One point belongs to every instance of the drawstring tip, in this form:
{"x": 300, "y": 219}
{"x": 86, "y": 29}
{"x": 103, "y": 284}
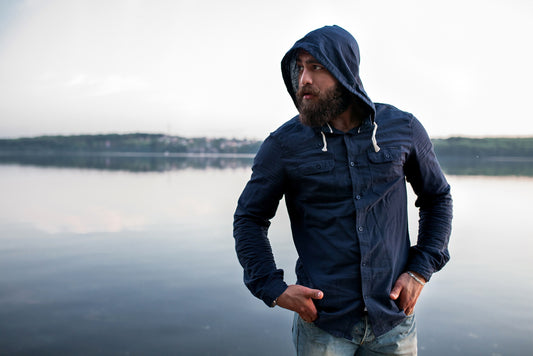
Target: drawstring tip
{"x": 325, "y": 148}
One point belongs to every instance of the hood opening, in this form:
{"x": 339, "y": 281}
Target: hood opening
{"x": 337, "y": 50}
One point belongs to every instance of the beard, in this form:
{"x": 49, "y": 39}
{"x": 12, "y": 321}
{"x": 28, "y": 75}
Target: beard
{"x": 327, "y": 105}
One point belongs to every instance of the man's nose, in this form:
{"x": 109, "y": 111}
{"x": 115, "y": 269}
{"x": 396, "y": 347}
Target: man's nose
{"x": 305, "y": 78}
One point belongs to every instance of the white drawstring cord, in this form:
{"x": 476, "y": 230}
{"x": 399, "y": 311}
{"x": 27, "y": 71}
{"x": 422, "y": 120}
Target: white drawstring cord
{"x": 374, "y": 141}
{"x": 325, "y": 148}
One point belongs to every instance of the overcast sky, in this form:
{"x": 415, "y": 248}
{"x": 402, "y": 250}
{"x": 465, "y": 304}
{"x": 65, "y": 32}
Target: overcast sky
{"x": 212, "y": 68}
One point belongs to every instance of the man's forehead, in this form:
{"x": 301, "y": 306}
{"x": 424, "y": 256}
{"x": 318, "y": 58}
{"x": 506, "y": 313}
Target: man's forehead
{"x": 304, "y": 56}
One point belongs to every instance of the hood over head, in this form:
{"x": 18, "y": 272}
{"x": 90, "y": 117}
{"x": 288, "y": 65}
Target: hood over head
{"x": 337, "y": 50}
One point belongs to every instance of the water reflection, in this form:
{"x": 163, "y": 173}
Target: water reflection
{"x": 103, "y": 261}
{"x": 138, "y": 162}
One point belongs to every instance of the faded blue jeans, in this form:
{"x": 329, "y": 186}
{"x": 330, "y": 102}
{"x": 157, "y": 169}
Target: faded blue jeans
{"x": 313, "y": 341}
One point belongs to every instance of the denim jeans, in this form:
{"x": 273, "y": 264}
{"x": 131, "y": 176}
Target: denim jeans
{"x": 311, "y": 340}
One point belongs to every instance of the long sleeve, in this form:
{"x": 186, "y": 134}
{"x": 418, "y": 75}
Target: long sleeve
{"x": 434, "y": 201}
{"x": 256, "y": 206}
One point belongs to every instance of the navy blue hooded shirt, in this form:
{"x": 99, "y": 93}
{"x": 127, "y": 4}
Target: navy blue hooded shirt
{"x": 347, "y": 201}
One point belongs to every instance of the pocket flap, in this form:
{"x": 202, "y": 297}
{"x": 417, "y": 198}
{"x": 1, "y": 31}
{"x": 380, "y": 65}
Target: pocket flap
{"x": 317, "y": 167}
{"x": 384, "y": 155}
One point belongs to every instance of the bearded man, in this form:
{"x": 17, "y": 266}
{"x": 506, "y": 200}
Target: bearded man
{"x": 344, "y": 182}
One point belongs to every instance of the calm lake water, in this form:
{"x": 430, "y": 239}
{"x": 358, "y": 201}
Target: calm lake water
{"x": 129, "y": 256}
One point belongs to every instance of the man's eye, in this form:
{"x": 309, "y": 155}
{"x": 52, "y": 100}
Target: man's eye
{"x": 317, "y": 67}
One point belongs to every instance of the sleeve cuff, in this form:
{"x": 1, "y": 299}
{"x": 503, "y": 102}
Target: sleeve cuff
{"x": 274, "y": 291}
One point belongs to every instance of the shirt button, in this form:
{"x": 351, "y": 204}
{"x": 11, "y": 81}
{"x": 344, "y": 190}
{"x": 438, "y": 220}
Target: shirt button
{"x": 352, "y": 164}
{"x": 360, "y": 228}
{"x": 357, "y": 197}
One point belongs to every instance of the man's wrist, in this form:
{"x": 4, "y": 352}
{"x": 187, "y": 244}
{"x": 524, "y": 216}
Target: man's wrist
{"x": 417, "y": 277}
{"x": 277, "y": 289}
{"x": 274, "y": 303}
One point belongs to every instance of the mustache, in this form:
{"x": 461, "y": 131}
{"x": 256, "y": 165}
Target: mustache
{"x": 307, "y": 89}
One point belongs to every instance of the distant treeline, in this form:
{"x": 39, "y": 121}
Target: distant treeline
{"x": 131, "y": 143}
{"x": 484, "y": 147}
{"x": 162, "y": 144}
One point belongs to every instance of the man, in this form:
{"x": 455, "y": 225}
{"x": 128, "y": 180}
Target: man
{"x": 342, "y": 164}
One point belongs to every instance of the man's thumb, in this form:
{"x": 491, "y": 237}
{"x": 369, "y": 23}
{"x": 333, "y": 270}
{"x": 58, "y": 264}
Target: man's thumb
{"x": 395, "y": 292}
{"x": 316, "y": 294}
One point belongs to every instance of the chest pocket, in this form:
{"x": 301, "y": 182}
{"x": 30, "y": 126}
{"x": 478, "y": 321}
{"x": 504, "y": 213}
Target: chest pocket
{"x": 314, "y": 181}
{"x": 316, "y": 167}
{"x": 385, "y": 165}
